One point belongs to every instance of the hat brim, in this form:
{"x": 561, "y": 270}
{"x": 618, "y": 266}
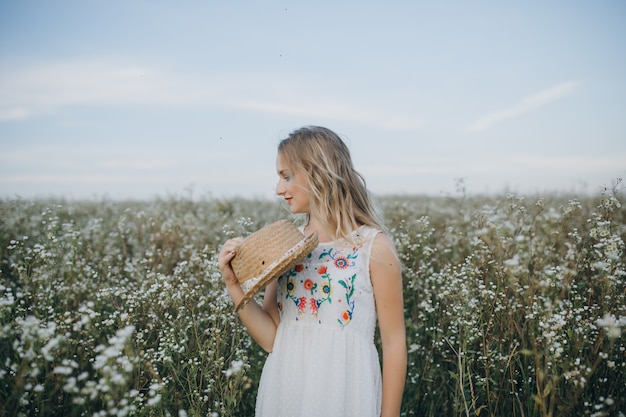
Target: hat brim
{"x": 277, "y": 268}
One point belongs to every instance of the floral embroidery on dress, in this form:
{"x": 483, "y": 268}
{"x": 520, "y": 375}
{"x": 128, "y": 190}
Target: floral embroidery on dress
{"x": 340, "y": 260}
{"x": 325, "y": 290}
{"x": 311, "y": 287}
{"x": 346, "y": 315}
{"x": 309, "y": 293}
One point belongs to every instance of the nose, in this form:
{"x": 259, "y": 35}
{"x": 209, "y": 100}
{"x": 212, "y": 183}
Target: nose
{"x": 280, "y": 189}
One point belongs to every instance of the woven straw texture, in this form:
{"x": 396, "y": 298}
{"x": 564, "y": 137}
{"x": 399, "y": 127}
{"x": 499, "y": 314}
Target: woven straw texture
{"x": 269, "y": 253}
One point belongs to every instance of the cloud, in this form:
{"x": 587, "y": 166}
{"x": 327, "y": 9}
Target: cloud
{"x": 336, "y": 110}
{"x": 614, "y": 163}
{"x": 15, "y": 113}
{"x": 43, "y": 88}
{"x": 502, "y": 163}
{"x": 529, "y": 103}
{"x": 72, "y": 179}
{"x": 138, "y": 164}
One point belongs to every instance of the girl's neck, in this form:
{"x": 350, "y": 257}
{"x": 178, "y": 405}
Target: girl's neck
{"x": 323, "y": 234}
{"x": 314, "y": 226}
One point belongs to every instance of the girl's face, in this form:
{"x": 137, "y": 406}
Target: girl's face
{"x": 292, "y": 187}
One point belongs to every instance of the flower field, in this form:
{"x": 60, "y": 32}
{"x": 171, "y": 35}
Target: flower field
{"x": 514, "y": 306}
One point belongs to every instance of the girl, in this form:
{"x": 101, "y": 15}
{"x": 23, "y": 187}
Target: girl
{"x": 318, "y": 320}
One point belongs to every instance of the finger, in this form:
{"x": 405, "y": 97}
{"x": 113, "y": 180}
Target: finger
{"x": 226, "y": 256}
{"x": 227, "y": 248}
{"x": 232, "y": 243}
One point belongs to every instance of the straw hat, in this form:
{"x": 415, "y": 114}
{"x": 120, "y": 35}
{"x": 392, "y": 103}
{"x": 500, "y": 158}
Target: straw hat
{"x": 267, "y": 254}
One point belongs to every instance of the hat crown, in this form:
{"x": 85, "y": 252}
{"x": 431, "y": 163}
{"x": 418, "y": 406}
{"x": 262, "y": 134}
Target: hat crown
{"x": 259, "y": 250}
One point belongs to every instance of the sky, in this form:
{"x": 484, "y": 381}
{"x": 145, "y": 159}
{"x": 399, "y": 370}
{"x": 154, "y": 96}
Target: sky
{"x": 139, "y": 99}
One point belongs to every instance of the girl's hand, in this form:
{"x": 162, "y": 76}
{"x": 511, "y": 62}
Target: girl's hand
{"x": 226, "y": 255}
{"x": 260, "y": 323}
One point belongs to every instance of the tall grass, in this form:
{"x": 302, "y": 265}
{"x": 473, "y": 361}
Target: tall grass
{"x": 514, "y": 306}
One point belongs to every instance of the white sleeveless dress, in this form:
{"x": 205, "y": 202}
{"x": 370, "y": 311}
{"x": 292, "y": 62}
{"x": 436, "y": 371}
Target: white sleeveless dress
{"x": 324, "y": 361}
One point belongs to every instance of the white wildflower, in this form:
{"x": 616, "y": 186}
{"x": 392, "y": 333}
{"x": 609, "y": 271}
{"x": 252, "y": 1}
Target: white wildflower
{"x": 154, "y": 400}
{"x": 611, "y": 325}
{"x": 63, "y": 370}
{"x": 49, "y": 347}
{"x": 235, "y": 368}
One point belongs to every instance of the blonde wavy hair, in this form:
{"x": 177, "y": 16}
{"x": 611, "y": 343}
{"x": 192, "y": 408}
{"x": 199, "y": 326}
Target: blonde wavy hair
{"x": 337, "y": 192}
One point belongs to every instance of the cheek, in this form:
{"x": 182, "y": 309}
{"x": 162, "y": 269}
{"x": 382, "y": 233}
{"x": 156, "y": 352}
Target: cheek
{"x": 300, "y": 183}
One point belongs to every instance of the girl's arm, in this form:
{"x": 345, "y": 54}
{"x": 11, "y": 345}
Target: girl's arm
{"x": 386, "y": 278}
{"x": 261, "y": 322}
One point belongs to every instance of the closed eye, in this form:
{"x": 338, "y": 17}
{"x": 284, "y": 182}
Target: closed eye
{"x": 285, "y": 175}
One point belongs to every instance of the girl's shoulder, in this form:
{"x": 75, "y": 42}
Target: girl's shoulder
{"x": 366, "y": 233}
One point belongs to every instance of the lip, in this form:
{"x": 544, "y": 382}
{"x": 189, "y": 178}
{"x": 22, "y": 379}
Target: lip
{"x": 288, "y": 200}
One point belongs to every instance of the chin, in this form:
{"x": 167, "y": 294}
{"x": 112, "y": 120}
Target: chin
{"x": 296, "y": 210}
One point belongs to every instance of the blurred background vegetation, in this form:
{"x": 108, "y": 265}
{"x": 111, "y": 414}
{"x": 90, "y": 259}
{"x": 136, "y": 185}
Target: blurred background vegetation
{"x": 515, "y": 306}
